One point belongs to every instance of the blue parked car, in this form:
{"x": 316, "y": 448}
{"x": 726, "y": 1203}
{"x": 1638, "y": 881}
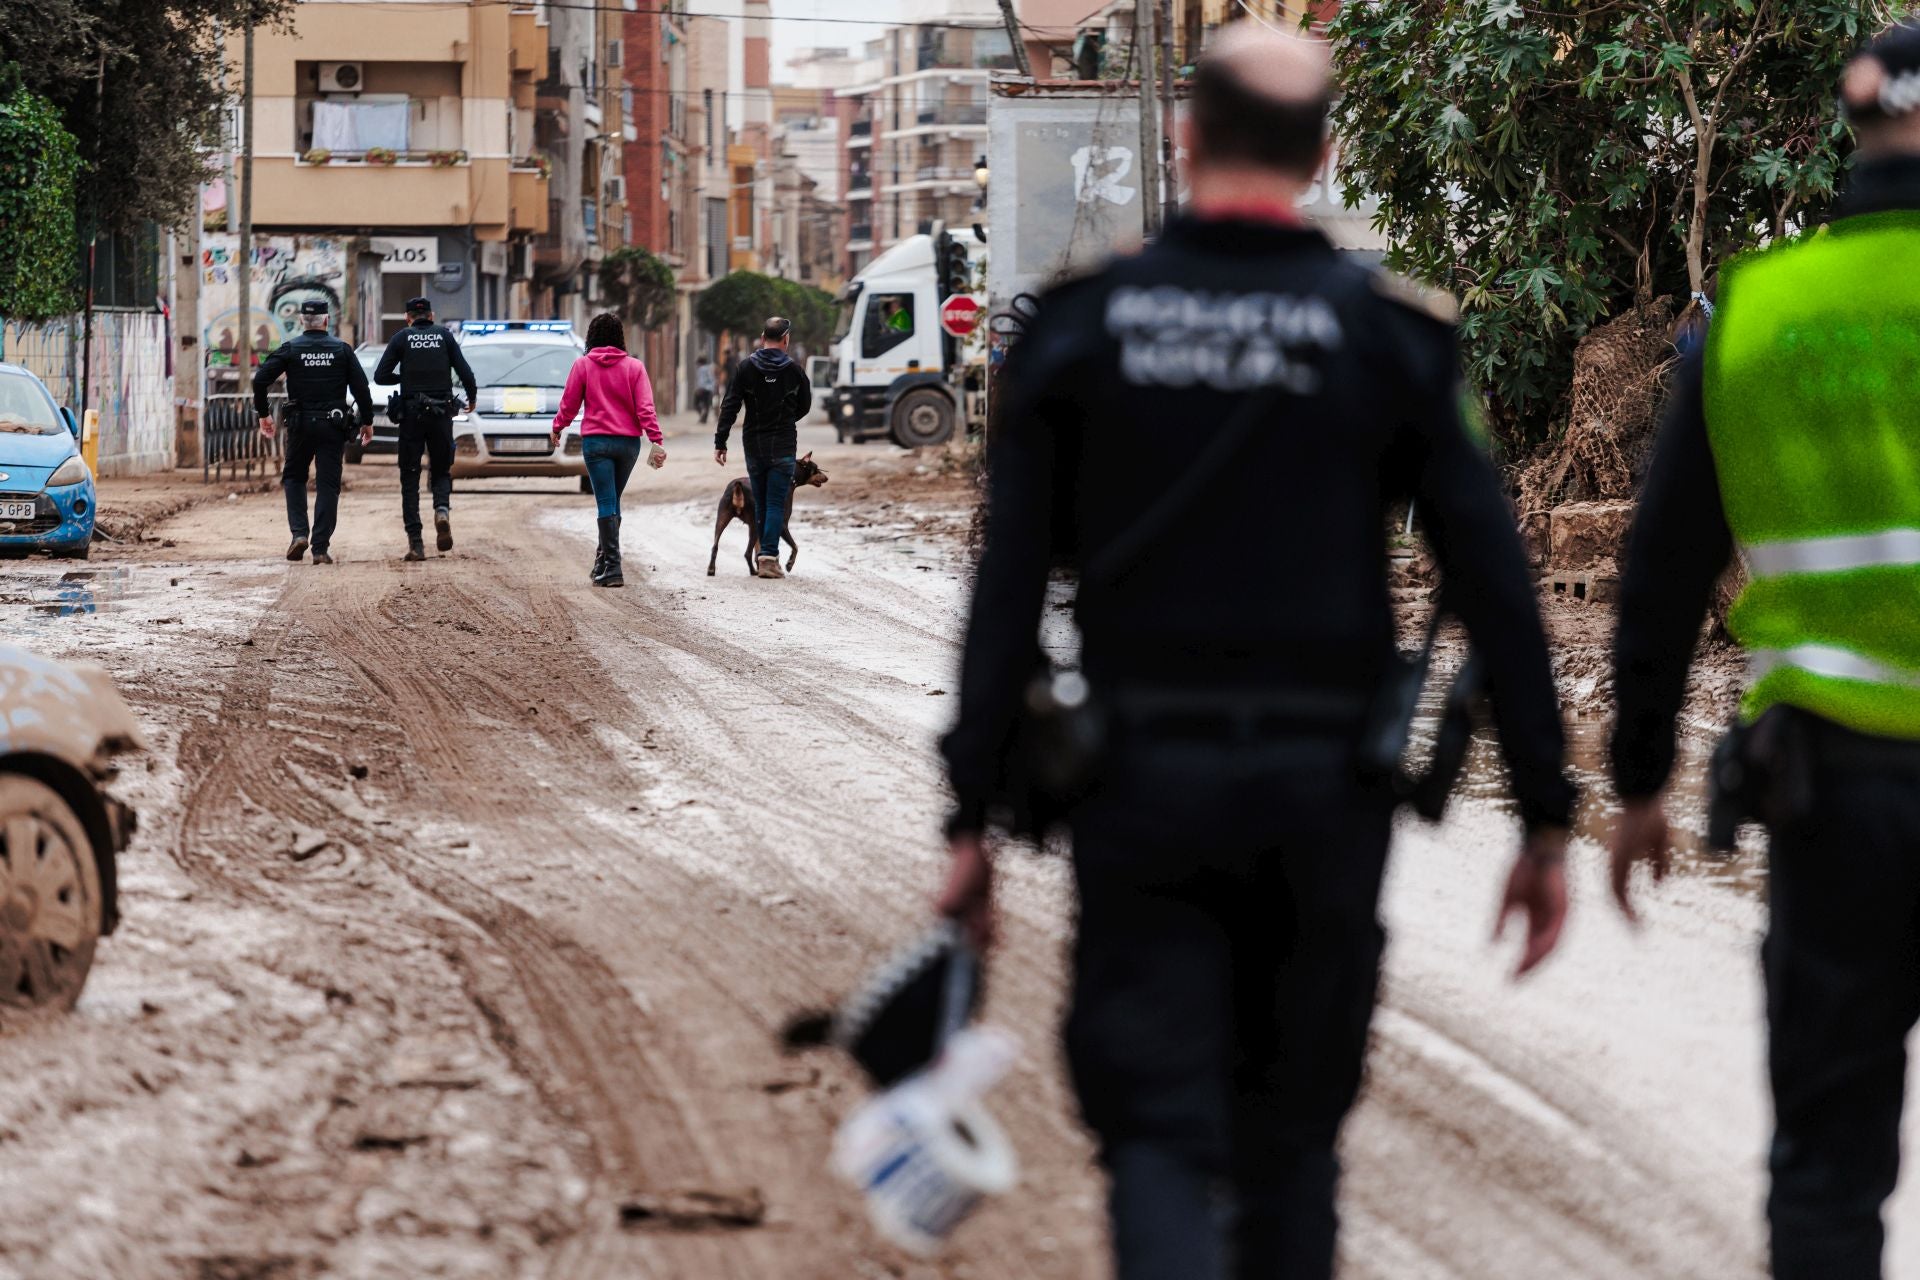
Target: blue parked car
{"x": 46, "y": 492}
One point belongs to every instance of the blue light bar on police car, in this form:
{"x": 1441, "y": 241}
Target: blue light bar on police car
{"x": 529, "y": 326}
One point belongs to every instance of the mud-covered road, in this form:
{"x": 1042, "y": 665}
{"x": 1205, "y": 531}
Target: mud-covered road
{"x": 469, "y": 899}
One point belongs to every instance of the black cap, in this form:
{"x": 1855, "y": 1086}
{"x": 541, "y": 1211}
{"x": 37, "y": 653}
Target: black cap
{"x": 1897, "y": 49}
{"x": 416, "y": 305}
{"x": 314, "y": 307}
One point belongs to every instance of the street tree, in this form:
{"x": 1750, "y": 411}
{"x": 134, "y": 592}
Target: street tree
{"x": 638, "y": 286}
{"x": 39, "y": 243}
{"x": 737, "y": 303}
{"x": 1558, "y": 164}
{"x": 138, "y": 83}
{"x": 810, "y": 308}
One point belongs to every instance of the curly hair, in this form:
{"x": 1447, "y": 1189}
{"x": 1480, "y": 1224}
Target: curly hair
{"x": 605, "y": 330}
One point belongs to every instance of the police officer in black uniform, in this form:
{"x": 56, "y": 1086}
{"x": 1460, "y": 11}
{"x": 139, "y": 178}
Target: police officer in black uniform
{"x": 1229, "y": 858}
{"x": 320, "y": 370}
{"x": 423, "y": 358}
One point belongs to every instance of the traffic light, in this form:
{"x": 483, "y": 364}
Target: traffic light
{"x": 951, "y": 266}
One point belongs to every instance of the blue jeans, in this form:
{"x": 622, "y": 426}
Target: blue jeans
{"x": 610, "y": 460}
{"x": 772, "y": 480}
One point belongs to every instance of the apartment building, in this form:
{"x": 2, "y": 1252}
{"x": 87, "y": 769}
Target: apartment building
{"x": 578, "y": 139}
{"x": 394, "y": 155}
{"x": 916, "y": 135}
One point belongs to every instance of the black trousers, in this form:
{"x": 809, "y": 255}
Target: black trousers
{"x": 317, "y": 443}
{"x": 427, "y": 428}
{"x": 1226, "y": 963}
{"x": 1842, "y": 962}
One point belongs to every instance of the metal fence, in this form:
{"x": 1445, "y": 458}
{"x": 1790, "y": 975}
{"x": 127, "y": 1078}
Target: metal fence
{"x": 231, "y": 440}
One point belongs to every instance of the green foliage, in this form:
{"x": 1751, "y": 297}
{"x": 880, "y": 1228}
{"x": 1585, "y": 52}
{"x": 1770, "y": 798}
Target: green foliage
{"x": 811, "y": 310}
{"x": 737, "y": 303}
{"x": 138, "y": 85}
{"x": 638, "y": 286}
{"x": 39, "y": 239}
{"x": 1551, "y": 164}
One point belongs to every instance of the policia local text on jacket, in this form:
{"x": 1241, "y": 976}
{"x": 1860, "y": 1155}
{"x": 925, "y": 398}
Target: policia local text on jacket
{"x": 321, "y": 371}
{"x": 423, "y": 358}
{"x": 1796, "y": 433}
{"x": 1229, "y": 863}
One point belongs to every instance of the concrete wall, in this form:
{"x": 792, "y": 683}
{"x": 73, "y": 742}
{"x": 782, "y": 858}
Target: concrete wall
{"x": 130, "y": 381}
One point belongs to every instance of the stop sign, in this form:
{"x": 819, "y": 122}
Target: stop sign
{"x": 959, "y": 315}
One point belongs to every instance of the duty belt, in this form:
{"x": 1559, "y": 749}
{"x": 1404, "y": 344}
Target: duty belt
{"x": 1234, "y": 715}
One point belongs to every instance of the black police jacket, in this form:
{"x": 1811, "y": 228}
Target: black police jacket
{"x": 776, "y": 394}
{"x": 321, "y": 371}
{"x": 1681, "y": 544}
{"x": 1275, "y": 579}
{"x": 423, "y": 358}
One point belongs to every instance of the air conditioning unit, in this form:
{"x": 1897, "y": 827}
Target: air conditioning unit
{"x": 342, "y": 77}
{"x": 616, "y": 190}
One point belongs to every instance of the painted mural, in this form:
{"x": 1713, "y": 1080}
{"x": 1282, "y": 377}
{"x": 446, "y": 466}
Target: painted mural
{"x": 286, "y": 271}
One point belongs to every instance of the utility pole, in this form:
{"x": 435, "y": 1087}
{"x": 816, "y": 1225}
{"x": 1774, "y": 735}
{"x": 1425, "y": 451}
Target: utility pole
{"x": 1169, "y": 181}
{"x": 1152, "y": 175}
{"x": 243, "y": 269}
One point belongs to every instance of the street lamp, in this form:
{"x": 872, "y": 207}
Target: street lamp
{"x": 980, "y": 174}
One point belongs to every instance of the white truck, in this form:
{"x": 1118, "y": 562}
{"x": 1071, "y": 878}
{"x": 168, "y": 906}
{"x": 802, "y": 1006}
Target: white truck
{"x": 896, "y": 370}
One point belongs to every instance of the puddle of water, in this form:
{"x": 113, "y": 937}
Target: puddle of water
{"x": 78, "y": 593}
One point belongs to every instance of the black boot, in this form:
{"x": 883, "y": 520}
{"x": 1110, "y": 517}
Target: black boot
{"x": 610, "y": 575}
{"x": 416, "y": 550}
{"x": 600, "y": 552}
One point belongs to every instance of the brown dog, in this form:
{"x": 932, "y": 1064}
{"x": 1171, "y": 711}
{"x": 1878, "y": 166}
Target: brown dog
{"x": 737, "y": 504}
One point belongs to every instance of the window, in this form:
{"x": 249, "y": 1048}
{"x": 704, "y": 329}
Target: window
{"x": 614, "y": 52}
{"x": 889, "y": 323}
{"x": 706, "y": 96}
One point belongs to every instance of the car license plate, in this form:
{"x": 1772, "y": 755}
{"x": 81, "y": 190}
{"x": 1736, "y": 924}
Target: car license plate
{"x": 16, "y": 510}
{"x": 520, "y": 400}
{"x": 522, "y": 444}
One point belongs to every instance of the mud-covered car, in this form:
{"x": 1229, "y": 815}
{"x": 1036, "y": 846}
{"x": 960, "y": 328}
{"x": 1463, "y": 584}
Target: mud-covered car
{"x": 61, "y": 728}
{"x": 46, "y": 490}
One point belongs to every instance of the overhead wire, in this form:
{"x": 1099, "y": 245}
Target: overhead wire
{"x": 617, "y": 6}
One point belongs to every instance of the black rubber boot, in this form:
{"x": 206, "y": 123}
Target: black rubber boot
{"x": 600, "y": 552}
{"x": 416, "y": 549}
{"x": 610, "y": 575}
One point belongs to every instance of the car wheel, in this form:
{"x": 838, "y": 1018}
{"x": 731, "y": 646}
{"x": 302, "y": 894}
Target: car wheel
{"x": 923, "y": 417}
{"x": 353, "y": 453}
{"x": 586, "y": 484}
{"x": 49, "y": 898}
{"x": 81, "y": 552}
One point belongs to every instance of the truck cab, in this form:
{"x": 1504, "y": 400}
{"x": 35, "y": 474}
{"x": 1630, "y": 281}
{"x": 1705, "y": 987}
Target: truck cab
{"x": 896, "y": 371}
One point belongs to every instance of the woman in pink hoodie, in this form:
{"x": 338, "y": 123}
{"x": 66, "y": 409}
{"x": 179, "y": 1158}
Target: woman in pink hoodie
{"x": 619, "y": 401}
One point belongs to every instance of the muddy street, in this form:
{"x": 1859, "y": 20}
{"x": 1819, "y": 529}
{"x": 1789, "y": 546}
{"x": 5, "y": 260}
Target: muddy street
{"x": 469, "y": 899}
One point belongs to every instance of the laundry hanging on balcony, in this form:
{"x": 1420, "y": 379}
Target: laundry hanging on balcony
{"x": 350, "y": 128}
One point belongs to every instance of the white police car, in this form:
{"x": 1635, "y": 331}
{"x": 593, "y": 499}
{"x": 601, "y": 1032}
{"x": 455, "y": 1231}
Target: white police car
{"x": 520, "y": 368}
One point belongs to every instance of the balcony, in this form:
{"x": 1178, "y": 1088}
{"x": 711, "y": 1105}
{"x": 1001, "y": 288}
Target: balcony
{"x": 528, "y": 42}
{"x": 860, "y": 186}
{"x": 859, "y": 236}
{"x": 969, "y": 116}
{"x": 860, "y": 129}
{"x": 527, "y": 198}
{"x": 287, "y": 191}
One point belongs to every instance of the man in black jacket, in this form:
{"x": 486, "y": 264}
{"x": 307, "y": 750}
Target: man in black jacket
{"x": 1229, "y": 861}
{"x": 320, "y": 370}
{"x": 1841, "y": 959}
{"x": 423, "y": 358}
{"x": 776, "y": 394}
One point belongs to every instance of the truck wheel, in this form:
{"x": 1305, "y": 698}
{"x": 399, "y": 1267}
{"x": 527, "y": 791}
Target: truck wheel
{"x": 922, "y": 417}
{"x": 49, "y": 898}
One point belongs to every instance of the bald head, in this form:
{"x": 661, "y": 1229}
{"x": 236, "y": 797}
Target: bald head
{"x": 1260, "y": 101}
{"x": 1273, "y": 65}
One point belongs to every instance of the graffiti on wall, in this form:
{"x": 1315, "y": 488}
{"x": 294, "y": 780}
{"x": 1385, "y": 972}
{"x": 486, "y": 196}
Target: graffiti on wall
{"x": 286, "y": 271}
